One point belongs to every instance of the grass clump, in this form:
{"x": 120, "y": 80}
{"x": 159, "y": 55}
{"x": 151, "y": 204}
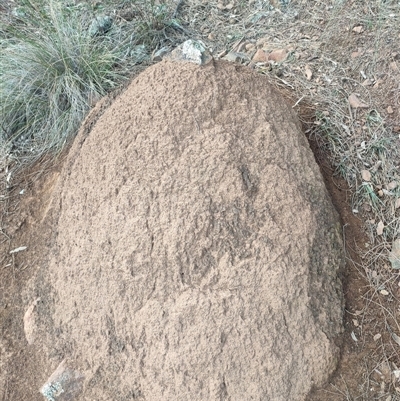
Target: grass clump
{"x": 57, "y": 59}
{"x": 51, "y": 70}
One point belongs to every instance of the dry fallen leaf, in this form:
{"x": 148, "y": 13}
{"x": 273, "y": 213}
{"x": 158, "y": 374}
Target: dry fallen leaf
{"x": 367, "y": 82}
{"x": 278, "y": 55}
{"x": 397, "y": 203}
{"x": 380, "y": 227}
{"x": 308, "y": 73}
{"x": 394, "y": 255}
{"x": 392, "y": 185}
{"x": 396, "y": 338}
{"x": 356, "y": 103}
{"x": 366, "y": 175}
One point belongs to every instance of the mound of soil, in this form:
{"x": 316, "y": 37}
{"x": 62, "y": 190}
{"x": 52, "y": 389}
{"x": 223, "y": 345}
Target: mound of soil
{"x": 195, "y": 251}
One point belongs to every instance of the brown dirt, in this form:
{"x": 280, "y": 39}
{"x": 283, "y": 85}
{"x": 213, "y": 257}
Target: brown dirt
{"x": 19, "y": 364}
{"x": 350, "y": 374}
{"x": 99, "y": 218}
{"x": 27, "y": 214}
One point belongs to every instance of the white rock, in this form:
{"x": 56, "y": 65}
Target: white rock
{"x": 64, "y": 384}
{"x": 191, "y": 51}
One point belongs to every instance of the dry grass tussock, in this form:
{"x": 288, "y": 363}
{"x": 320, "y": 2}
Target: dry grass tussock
{"x": 343, "y": 71}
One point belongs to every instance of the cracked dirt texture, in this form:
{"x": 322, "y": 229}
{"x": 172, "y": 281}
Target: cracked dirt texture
{"x": 194, "y": 252}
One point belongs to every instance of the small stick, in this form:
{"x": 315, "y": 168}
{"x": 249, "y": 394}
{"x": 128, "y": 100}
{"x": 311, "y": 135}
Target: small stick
{"x": 297, "y": 102}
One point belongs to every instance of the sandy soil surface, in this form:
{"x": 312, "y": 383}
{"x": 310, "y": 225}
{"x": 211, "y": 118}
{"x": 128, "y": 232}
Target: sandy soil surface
{"x": 19, "y": 276}
{"x": 127, "y": 232}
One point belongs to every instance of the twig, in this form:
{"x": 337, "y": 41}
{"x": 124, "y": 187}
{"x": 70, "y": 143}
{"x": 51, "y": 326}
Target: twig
{"x": 297, "y": 102}
{"x": 285, "y": 82}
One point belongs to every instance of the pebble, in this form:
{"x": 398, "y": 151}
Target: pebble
{"x": 278, "y": 55}
{"x": 30, "y": 322}
{"x": 260, "y": 57}
{"x": 64, "y": 384}
{"x": 366, "y": 175}
{"x": 236, "y": 57}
